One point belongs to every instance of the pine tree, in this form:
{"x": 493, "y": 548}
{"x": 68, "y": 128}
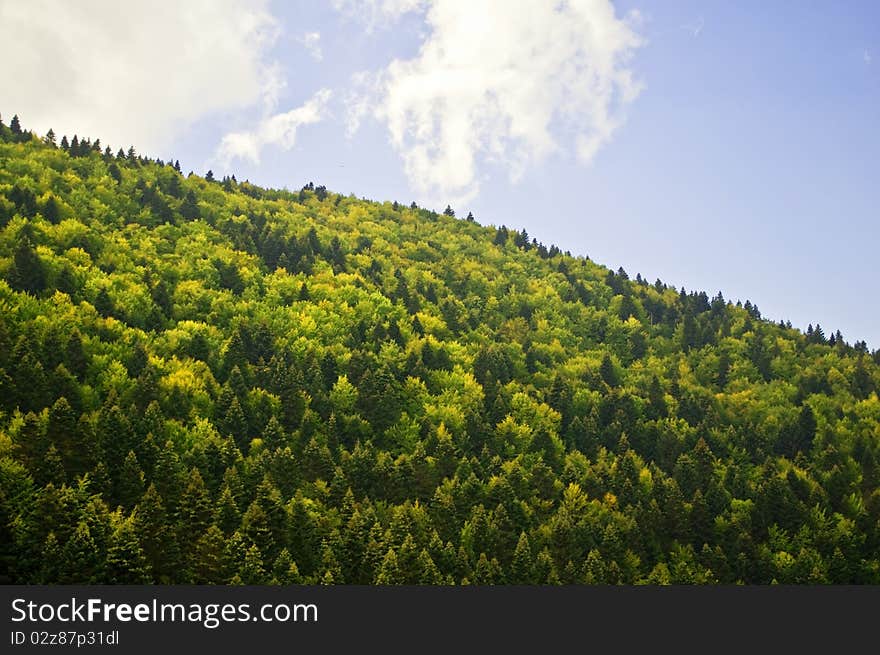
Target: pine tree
{"x": 126, "y": 562}
{"x": 50, "y": 468}
{"x": 806, "y": 429}
{"x": 196, "y": 512}
{"x": 522, "y": 567}
{"x": 73, "y": 438}
{"x": 227, "y": 515}
{"x": 487, "y": 572}
{"x": 114, "y": 172}
{"x": 428, "y": 573}
{"x": 26, "y": 273}
{"x": 252, "y": 571}
{"x": 152, "y": 529}
{"x": 79, "y": 563}
{"x": 130, "y": 487}
{"x": 389, "y": 571}
{"x": 104, "y": 304}
{"x": 285, "y": 570}
{"x": 609, "y": 372}
{"x": 209, "y": 563}
{"x": 235, "y": 423}
{"x": 190, "y": 208}
{"x": 255, "y": 528}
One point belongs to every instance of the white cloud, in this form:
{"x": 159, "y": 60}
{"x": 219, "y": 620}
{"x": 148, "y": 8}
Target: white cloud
{"x": 138, "y": 73}
{"x": 506, "y": 83}
{"x": 377, "y": 13}
{"x": 695, "y": 28}
{"x": 272, "y": 86}
{"x": 311, "y": 41}
{"x": 360, "y": 99}
{"x": 866, "y": 56}
{"x": 277, "y": 129}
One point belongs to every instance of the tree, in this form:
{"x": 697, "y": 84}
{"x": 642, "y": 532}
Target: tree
{"x": 255, "y": 528}
{"x": 104, "y": 304}
{"x": 609, "y": 372}
{"x": 285, "y": 570}
{"x": 195, "y": 507}
{"x": 806, "y": 429}
{"x": 79, "y": 562}
{"x": 27, "y": 273}
{"x": 389, "y": 572}
{"x": 522, "y": 568}
{"x": 227, "y": 515}
{"x": 73, "y": 438}
{"x": 130, "y": 487}
{"x": 126, "y": 562}
{"x": 252, "y": 571}
{"x": 209, "y": 563}
{"x": 113, "y": 171}
{"x": 235, "y": 423}
{"x": 190, "y": 207}
{"x": 689, "y": 332}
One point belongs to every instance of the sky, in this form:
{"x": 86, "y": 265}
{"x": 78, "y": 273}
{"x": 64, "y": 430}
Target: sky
{"x": 718, "y": 146}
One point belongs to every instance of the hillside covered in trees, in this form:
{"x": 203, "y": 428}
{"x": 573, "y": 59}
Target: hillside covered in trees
{"x": 206, "y": 381}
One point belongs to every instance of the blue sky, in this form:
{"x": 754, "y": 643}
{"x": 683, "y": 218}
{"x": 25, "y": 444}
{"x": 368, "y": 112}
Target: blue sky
{"x": 719, "y": 146}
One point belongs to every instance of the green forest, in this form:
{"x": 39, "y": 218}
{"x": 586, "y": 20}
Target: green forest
{"x": 205, "y": 381}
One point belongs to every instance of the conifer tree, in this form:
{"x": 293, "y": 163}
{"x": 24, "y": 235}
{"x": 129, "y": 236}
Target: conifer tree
{"x": 126, "y": 562}
{"x": 27, "y": 273}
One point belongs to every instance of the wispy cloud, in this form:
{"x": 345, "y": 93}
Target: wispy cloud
{"x": 374, "y": 14}
{"x": 695, "y": 28}
{"x": 277, "y": 130}
{"x": 360, "y": 99}
{"x": 866, "y": 56}
{"x": 505, "y": 84}
{"x": 311, "y": 41}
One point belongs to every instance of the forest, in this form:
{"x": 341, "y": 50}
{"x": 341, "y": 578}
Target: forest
{"x": 205, "y": 381}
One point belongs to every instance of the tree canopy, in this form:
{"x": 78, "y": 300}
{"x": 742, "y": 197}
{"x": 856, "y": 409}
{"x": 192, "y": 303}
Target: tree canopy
{"x": 203, "y": 380}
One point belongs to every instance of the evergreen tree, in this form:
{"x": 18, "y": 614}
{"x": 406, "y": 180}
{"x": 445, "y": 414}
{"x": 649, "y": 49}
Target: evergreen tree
{"x": 227, "y": 516}
{"x": 609, "y": 372}
{"x": 131, "y": 481}
{"x": 522, "y": 567}
{"x": 126, "y": 562}
{"x": 79, "y": 561}
{"x": 209, "y": 563}
{"x": 252, "y": 571}
{"x": 190, "y": 208}
{"x": 26, "y": 273}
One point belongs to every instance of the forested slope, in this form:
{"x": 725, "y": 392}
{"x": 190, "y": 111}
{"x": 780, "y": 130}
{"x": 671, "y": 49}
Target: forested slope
{"x": 207, "y": 381}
